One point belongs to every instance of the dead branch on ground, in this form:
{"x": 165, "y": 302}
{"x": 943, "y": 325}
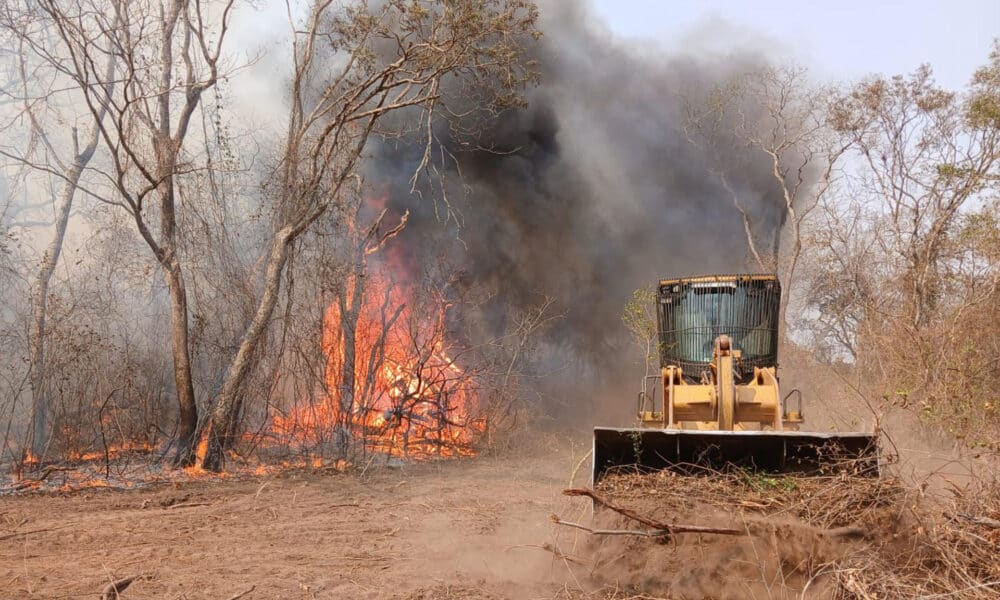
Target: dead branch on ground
{"x": 659, "y": 532}
{"x": 113, "y": 590}
{"x": 36, "y": 482}
{"x": 622, "y": 511}
{"x": 242, "y": 594}
{"x": 978, "y": 520}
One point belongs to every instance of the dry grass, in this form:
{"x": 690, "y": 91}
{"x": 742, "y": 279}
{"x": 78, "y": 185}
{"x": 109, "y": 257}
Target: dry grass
{"x": 952, "y": 551}
{"x": 825, "y": 502}
{"x": 904, "y": 544}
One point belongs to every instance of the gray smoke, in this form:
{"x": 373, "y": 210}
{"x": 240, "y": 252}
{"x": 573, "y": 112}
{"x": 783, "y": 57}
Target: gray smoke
{"x": 595, "y": 191}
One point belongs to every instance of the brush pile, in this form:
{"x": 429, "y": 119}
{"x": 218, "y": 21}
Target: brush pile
{"x": 837, "y": 536}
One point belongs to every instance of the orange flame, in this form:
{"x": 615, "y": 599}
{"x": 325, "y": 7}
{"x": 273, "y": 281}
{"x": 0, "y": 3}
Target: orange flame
{"x": 111, "y": 452}
{"x": 408, "y": 397}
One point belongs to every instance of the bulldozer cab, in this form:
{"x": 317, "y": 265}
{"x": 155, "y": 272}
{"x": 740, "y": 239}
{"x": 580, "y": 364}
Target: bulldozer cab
{"x": 692, "y": 313}
{"x": 718, "y": 401}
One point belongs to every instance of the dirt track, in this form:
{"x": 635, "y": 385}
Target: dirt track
{"x": 466, "y": 529}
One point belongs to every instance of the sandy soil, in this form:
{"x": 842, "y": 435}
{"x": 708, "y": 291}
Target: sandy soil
{"x": 460, "y": 529}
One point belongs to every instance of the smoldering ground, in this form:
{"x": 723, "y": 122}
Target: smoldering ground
{"x": 592, "y": 191}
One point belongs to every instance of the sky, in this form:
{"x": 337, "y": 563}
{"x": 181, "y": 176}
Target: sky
{"x": 841, "y": 40}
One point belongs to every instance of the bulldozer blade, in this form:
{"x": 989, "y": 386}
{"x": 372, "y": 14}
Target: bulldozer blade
{"x": 768, "y": 451}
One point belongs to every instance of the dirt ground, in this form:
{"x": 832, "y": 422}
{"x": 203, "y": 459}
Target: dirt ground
{"x": 460, "y": 529}
{"x": 471, "y": 528}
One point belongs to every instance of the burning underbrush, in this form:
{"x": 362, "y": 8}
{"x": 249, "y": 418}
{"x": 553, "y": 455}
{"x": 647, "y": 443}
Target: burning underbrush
{"x": 392, "y": 388}
{"x": 746, "y": 535}
{"x": 136, "y": 469}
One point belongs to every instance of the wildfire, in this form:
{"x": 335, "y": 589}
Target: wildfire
{"x": 111, "y": 452}
{"x": 391, "y": 385}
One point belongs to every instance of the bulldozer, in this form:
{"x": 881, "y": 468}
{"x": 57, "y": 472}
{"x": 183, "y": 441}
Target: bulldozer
{"x": 717, "y": 401}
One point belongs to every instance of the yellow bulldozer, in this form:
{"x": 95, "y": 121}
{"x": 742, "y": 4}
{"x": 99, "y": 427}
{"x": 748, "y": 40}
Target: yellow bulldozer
{"x": 717, "y": 400}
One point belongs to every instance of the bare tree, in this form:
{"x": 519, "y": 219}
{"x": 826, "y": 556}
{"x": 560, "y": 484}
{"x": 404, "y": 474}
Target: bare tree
{"x": 513, "y": 352}
{"x": 40, "y": 291}
{"x": 38, "y": 72}
{"x": 779, "y": 116}
{"x": 71, "y": 173}
{"x": 352, "y": 296}
{"x": 392, "y": 58}
{"x": 844, "y": 279}
{"x": 168, "y": 54}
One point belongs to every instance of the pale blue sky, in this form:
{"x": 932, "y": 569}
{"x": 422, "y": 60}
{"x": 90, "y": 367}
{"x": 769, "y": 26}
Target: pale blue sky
{"x": 841, "y": 40}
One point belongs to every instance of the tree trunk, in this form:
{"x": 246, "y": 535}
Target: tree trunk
{"x": 217, "y": 436}
{"x": 166, "y": 255}
{"x": 187, "y": 418}
{"x": 349, "y": 314}
{"x": 348, "y": 325}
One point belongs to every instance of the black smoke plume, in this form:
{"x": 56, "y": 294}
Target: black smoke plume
{"x": 591, "y": 192}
